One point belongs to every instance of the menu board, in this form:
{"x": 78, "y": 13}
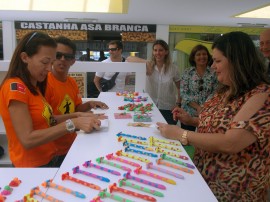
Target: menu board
{"x": 80, "y": 79}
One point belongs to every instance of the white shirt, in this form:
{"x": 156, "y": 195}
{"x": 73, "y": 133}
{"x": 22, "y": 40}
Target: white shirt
{"x": 119, "y": 81}
{"x": 161, "y": 87}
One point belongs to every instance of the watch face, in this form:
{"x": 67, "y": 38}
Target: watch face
{"x": 70, "y": 126}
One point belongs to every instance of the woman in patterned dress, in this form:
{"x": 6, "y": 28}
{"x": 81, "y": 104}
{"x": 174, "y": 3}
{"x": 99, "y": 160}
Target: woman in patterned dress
{"x": 197, "y": 83}
{"x": 232, "y": 140}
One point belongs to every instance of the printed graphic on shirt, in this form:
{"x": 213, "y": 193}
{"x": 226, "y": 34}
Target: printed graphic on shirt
{"x": 67, "y": 105}
{"x": 48, "y": 114}
{"x": 15, "y": 86}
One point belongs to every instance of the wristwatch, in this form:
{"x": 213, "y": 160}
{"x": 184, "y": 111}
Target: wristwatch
{"x": 184, "y": 139}
{"x": 70, "y": 126}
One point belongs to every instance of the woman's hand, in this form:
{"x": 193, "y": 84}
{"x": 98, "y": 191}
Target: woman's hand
{"x": 169, "y": 131}
{"x": 198, "y": 109}
{"x": 87, "y": 124}
{"x": 91, "y": 114}
{"x": 97, "y": 104}
{"x": 182, "y": 116}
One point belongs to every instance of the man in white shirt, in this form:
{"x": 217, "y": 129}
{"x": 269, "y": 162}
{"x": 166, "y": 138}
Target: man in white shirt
{"x": 115, "y": 49}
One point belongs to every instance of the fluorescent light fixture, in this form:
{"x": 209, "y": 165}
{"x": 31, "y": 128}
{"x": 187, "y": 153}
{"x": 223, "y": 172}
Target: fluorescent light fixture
{"x": 99, "y": 6}
{"x": 263, "y": 12}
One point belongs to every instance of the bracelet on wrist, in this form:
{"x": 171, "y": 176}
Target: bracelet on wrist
{"x": 184, "y": 138}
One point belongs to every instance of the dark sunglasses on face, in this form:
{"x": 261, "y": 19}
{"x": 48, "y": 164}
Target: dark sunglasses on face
{"x": 112, "y": 49}
{"x": 200, "y": 84}
{"x": 67, "y": 56}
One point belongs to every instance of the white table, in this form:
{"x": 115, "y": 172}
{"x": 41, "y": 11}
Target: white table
{"x": 30, "y": 178}
{"x": 100, "y": 143}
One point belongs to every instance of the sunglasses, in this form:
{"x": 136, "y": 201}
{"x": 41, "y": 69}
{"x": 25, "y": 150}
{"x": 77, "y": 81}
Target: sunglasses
{"x": 200, "y": 84}
{"x": 67, "y": 56}
{"x": 112, "y": 49}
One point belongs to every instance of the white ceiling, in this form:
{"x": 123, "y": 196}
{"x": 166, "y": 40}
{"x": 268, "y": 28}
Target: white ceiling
{"x": 163, "y": 12}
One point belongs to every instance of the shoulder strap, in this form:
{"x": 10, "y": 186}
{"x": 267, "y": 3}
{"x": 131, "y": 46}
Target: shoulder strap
{"x": 114, "y": 76}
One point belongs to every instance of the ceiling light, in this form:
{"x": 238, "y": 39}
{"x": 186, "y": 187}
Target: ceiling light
{"x": 86, "y": 20}
{"x": 263, "y": 12}
{"x": 103, "y": 6}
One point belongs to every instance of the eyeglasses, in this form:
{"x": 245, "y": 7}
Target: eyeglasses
{"x": 112, "y": 49}
{"x": 200, "y": 84}
{"x": 67, "y": 56}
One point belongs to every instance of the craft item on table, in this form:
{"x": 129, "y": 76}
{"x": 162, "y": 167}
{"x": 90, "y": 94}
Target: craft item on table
{"x": 122, "y": 139}
{"x": 142, "y": 118}
{"x": 156, "y": 144}
{"x": 125, "y": 182}
{"x": 157, "y": 168}
{"x": 112, "y": 157}
{"x": 102, "y": 160}
{"x": 78, "y": 170}
{"x": 38, "y": 192}
{"x": 2, "y": 198}
{"x": 113, "y": 187}
{"x": 7, "y": 190}
{"x": 15, "y": 182}
{"x": 129, "y": 99}
{"x": 127, "y": 93}
{"x": 139, "y": 124}
{"x": 126, "y": 143}
{"x": 153, "y": 175}
{"x": 131, "y": 136}
{"x": 50, "y": 184}
{"x": 175, "y": 143}
{"x": 143, "y": 181}
{"x": 160, "y": 150}
{"x": 165, "y": 157}
{"x": 127, "y": 149}
{"x": 121, "y": 153}
{"x": 135, "y": 99}
{"x": 137, "y": 107}
{"x": 96, "y": 199}
{"x": 140, "y": 99}
{"x": 160, "y": 161}
{"x": 105, "y": 194}
{"x": 130, "y": 106}
{"x": 89, "y": 164}
{"x": 28, "y": 198}
{"x": 66, "y": 176}
{"x": 122, "y": 115}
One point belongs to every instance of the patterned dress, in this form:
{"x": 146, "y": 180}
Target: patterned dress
{"x": 243, "y": 176}
{"x": 194, "y": 88}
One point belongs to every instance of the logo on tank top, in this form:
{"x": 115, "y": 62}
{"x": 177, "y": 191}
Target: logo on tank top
{"x": 48, "y": 114}
{"x": 67, "y": 105}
